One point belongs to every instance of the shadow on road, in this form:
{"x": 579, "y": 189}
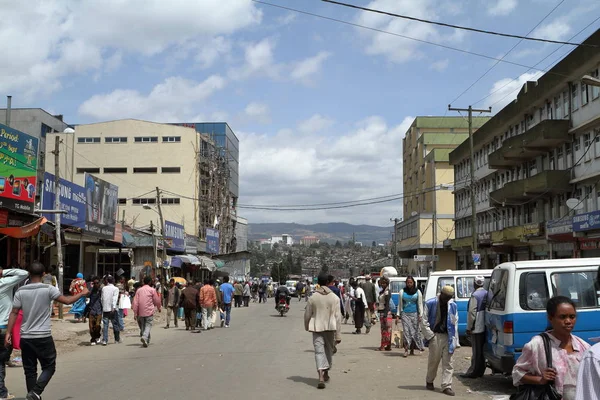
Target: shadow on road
{"x": 413, "y": 387}
{"x": 302, "y": 379}
{"x": 496, "y": 384}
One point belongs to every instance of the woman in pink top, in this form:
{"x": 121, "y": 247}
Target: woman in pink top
{"x": 567, "y": 351}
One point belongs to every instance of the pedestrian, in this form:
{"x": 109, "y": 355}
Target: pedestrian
{"x": 371, "y": 294}
{"x": 144, "y": 302}
{"x": 254, "y": 289}
{"x": 360, "y": 309}
{"x": 383, "y": 309}
{"x": 307, "y": 291}
{"x": 93, "y": 311}
{"x": 333, "y": 286}
{"x": 262, "y": 292}
{"x": 246, "y": 294}
{"x": 50, "y": 279}
{"x": 269, "y": 289}
{"x": 410, "y": 311}
{"x": 189, "y": 301}
{"x": 348, "y": 302}
{"x": 238, "y": 293}
{"x": 588, "y": 378}
{"x": 110, "y": 297}
{"x": 130, "y": 288}
{"x": 567, "y": 351}
{"x": 323, "y": 318}
{"x": 172, "y": 303}
{"x": 208, "y": 302}
{"x": 227, "y": 290}
{"x": 219, "y": 308}
{"x": 76, "y": 287}
{"x": 440, "y": 327}
{"x": 476, "y": 328}
{"x": 36, "y": 335}
{"x": 9, "y": 279}
{"x": 299, "y": 289}
{"x": 122, "y": 303}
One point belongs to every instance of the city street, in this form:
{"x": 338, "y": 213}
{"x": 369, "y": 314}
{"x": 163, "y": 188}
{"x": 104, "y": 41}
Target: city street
{"x": 262, "y": 356}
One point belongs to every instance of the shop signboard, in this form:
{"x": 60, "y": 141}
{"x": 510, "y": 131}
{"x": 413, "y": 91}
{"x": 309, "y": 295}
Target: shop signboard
{"x": 18, "y": 169}
{"x": 559, "y": 226}
{"x": 101, "y": 205}
{"x": 484, "y": 238}
{"x": 533, "y": 230}
{"x": 176, "y": 234}
{"x": 212, "y": 241}
{"x": 586, "y": 222}
{"x": 72, "y": 201}
{"x": 191, "y": 244}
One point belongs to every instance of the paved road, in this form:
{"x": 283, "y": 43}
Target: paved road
{"x": 261, "y": 356}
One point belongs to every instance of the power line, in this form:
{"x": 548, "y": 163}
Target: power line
{"x": 321, "y": 204}
{"x": 487, "y": 32}
{"x": 402, "y": 36}
{"x": 505, "y": 54}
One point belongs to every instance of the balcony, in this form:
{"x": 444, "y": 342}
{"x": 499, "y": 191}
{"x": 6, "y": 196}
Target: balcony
{"x": 538, "y": 140}
{"x": 544, "y": 183}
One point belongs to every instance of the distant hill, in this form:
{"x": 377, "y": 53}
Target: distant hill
{"x": 329, "y": 232}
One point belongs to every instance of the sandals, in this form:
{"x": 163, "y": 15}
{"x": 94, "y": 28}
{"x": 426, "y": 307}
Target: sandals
{"x": 405, "y": 354}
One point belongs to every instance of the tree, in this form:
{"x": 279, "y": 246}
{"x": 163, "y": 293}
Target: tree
{"x": 324, "y": 269}
{"x": 338, "y": 244}
{"x": 297, "y": 269}
{"x": 279, "y": 272}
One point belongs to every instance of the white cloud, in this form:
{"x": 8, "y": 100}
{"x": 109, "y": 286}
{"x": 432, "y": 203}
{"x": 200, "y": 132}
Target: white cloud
{"x": 505, "y": 90}
{"x": 558, "y": 29}
{"x": 47, "y": 41}
{"x": 305, "y": 168}
{"x": 440, "y": 65}
{"x": 305, "y": 69}
{"x": 258, "y": 111}
{"x": 211, "y": 52}
{"x": 172, "y": 100}
{"x": 315, "y": 124}
{"x": 502, "y": 7}
{"x": 259, "y": 60}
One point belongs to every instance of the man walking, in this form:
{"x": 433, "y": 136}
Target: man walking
{"x": 227, "y": 290}
{"x": 238, "y": 293}
{"x": 144, "y": 302}
{"x": 36, "y": 336}
{"x": 9, "y": 278}
{"x": 440, "y": 327}
{"x": 371, "y": 295}
{"x": 246, "y": 294}
{"x": 189, "y": 302}
{"x": 172, "y": 302}
{"x": 208, "y": 302}
{"x": 262, "y": 293}
{"x": 323, "y": 317}
{"x": 476, "y": 328}
{"x": 110, "y": 297}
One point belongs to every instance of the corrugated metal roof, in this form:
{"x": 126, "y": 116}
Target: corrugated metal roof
{"x": 439, "y": 155}
{"x": 449, "y": 138}
{"x": 448, "y": 122}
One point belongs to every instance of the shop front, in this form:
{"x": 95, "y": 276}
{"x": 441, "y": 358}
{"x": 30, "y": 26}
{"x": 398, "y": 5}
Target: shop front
{"x": 535, "y": 234}
{"x": 586, "y": 228}
{"x": 561, "y": 243}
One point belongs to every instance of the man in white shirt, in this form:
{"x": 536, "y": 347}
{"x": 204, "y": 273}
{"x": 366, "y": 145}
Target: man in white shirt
{"x": 110, "y": 297}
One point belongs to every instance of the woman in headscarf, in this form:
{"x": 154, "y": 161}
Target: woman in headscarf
{"x": 384, "y": 320}
{"x": 77, "y": 286}
{"x": 410, "y": 311}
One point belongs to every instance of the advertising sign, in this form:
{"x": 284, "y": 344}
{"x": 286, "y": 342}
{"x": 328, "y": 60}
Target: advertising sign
{"x": 212, "y": 241}
{"x": 18, "y": 169}
{"x": 559, "y": 226}
{"x": 176, "y": 234}
{"x": 72, "y": 200}
{"x": 101, "y": 204}
{"x": 586, "y": 222}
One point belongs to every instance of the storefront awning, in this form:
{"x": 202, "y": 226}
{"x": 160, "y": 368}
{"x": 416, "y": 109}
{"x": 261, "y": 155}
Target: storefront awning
{"x": 178, "y": 261}
{"x": 25, "y": 231}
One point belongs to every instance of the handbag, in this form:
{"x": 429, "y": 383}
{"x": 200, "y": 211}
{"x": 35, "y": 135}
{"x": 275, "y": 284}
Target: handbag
{"x": 539, "y": 392}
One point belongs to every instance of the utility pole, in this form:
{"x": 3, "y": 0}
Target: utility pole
{"x": 473, "y": 203}
{"x": 162, "y": 223}
{"x": 433, "y": 216}
{"x": 153, "y": 242}
{"x": 57, "y": 238}
{"x": 394, "y": 241}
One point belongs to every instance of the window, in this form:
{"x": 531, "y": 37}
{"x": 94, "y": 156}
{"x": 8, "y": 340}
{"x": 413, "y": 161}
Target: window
{"x": 115, "y": 170}
{"x": 465, "y": 286}
{"x": 551, "y": 164}
{"x": 587, "y": 142}
{"x": 597, "y": 145}
{"x": 533, "y": 291}
{"x": 145, "y": 170}
{"x": 577, "y": 144}
{"x": 88, "y": 170}
{"x": 167, "y": 200}
{"x": 497, "y": 290}
{"x": 566, "y": 110}
{"x": 115, "y": 140}
{"x": 146, "y": 139}
{"x": 595, "y": 89}
{"x": 170, "y": 170}
{"x": 445, "y": 281}
{"x": 45, "y": 130}
{"x": 88, "y": 140}
{"x": 142, "y": 201}
{"x": 557, "y": 109}
{"x": 575, "y": 96}
{"x": 532, "y": 168}
{"x": 397, "y": 286}
{"x": 122, "y": 201}
{"x": 584, "y": 94}
{"x": 579, "y": 286}
{"x": 171, "y": 139}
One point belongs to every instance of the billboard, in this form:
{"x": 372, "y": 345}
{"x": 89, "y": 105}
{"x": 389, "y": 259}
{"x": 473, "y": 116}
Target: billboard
{"x": 212, "y": 241}
{"x": 18, "y": 169}
{"x": 72, "y": 200}
{"x": 176, "y": 235}
{"x": 101, "y": 200}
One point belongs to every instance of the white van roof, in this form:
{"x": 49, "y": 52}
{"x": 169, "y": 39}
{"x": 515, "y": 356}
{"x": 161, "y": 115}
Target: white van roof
{"x": 463, "y": 272}
{"x": 567, "y": 262}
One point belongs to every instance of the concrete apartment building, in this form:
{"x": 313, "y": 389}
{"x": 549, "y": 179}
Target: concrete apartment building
{"x": 309, "y": 240}
{"x": 530, "y": 158}
{"x": 428, "y": 180}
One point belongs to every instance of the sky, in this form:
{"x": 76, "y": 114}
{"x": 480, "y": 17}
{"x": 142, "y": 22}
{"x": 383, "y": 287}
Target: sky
{"x": 320, "y": 107}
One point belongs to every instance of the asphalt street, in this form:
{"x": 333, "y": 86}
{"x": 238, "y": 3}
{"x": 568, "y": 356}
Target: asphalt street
{"x": 261, "y": 356}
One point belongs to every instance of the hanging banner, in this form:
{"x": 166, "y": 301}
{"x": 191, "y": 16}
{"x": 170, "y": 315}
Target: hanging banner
{"x": 18, "y": 169}
{"x": 176, "y": 234}
{"x": 212, "y": 241}
{"x": 26, "y": 231}
{"x": 101, "y": 200}
{"x": 72, "y": 201}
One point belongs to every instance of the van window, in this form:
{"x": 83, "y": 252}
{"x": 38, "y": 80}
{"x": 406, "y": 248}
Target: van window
{"x": 445, "y": 281}
{"x": 578, "y": 286}
{"x": 497, "y": 290}
{"x": 397, "y": 286}
{"x": 533, "y": 291}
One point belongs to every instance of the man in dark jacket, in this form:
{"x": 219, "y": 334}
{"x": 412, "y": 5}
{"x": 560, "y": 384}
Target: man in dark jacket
{"x": 331, "y": 285}
{"x": 189, "y": 302}
{"x": 172, "y": 300}
{"x": 371, "y": 295}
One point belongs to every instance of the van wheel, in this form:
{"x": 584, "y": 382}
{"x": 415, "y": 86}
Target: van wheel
{"x": 465, "y": 341}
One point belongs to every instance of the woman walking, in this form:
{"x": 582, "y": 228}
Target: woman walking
{"x": 410, "y": 311}
{"x": 360, "y": 307}
{"x": 93, "y": 311}
{"x": 566, "y": 350}
{"x": 385, "y": 320}
{"x": 77, "y": 286}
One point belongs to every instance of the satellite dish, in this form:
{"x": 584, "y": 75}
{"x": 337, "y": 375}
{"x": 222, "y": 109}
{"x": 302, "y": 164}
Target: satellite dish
{"x": 574, "y": 204}
{"x": 414, "y": 214}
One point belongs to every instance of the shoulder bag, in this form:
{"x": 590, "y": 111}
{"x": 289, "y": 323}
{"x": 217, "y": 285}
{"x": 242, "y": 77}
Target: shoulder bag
{"x": 539, "y": 392}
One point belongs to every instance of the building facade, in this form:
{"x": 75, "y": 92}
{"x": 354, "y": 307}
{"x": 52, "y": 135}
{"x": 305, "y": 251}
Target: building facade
{"x": 428, "y": 201}
{"x": 537, "y": 162}
{"x": 309, "y": 240}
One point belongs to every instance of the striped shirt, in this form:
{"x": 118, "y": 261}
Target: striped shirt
{"x": 588, "y": 379}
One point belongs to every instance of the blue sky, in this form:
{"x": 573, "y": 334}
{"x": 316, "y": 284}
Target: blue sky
{"x": 320, "y": 107}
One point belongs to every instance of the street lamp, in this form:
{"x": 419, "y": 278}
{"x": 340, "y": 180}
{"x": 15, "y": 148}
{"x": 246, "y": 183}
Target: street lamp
{"x": 590, "y": 80}
{"x": 162, "y": 227}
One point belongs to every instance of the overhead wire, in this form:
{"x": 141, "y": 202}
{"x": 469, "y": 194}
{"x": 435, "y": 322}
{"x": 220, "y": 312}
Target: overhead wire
{"x": 466, "y": 28}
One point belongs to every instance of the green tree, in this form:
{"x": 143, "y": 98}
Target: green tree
{"x": 297, "y": 269}
{"x": 338, "y": 244}
{"x": 324, "y": 269}
{"x": 279, "y": 273}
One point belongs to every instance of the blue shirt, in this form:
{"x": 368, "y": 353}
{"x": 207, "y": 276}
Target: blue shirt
{"x": 410, "y": 302}
{"x": 227, "y": 290}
